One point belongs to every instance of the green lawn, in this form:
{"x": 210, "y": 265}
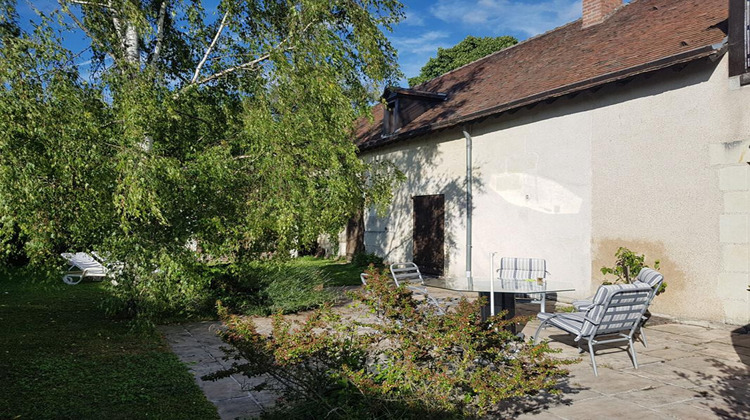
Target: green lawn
{"x": 340, "y": 272}
{"x": 62, "y": 358}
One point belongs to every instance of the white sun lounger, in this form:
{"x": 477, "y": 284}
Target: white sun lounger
{"x": 82, "y": 265}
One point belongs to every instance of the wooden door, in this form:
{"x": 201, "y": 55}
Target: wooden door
{"x": 429, "y": 233}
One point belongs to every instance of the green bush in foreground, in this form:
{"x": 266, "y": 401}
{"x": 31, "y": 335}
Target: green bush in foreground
{"x": 183, "y": 291}
{"x": 408, "y": 362}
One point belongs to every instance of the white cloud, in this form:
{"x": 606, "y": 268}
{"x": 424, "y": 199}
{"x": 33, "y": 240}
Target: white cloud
{"x": 413, "y": 52}
{"x": 503, "y": 16}
{"x": 413, "y": 19}
{"x": 427, "y": 42}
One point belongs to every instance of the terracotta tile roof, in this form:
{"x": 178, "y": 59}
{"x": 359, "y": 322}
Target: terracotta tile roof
{"x": 641, "y": 36}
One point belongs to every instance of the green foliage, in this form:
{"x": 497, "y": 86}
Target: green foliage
{"x": 336, "y": 272}
{"x": 627, "y": 266}
{"x": 466, "y": 51}
{"x": 233, "y": 133}
{"x": 362, "y": 259}
{"x": 253, "y": 287}
{"x": 293, "y": 289}
{"x": 63, "y": 358}
{"x": 409, "y": 362}
{"x": 12, "y": 251}
{"x": 265, "y": 287}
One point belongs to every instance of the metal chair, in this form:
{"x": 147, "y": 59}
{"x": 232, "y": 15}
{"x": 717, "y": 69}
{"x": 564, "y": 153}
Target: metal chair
{"x": 513, "y": 268}
{"x": 648, "y": 276}
{"x": 615, "y": 314}
{"x": 408, "y": 275}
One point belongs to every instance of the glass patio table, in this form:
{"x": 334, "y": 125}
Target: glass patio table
{"x": 501, "y": 293}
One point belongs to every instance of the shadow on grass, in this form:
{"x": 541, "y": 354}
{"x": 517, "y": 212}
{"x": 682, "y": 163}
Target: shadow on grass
{"x": 63, "y": 358}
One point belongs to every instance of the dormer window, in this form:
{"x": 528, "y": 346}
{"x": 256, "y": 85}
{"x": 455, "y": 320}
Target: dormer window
{"x": 739, "y": 40}
{"x": 403, "y": 106}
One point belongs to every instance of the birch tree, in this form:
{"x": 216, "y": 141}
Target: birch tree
{"x": 229, "y": 126}
{"x": 469, "y": 49}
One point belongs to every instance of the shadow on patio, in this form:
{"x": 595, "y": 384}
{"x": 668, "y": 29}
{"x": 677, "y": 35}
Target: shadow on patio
{"x": 686, "y": 372}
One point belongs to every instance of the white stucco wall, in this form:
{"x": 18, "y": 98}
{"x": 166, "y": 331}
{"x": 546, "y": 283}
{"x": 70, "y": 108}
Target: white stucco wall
{"x": 433, "y": 166}
{"x": 533, "y": 194}
{"x": 658, "y": 191}
{"x": 656, "y": 165}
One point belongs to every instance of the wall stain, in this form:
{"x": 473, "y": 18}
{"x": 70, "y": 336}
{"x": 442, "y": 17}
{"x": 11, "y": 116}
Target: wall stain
{"x": 681, "y": 287}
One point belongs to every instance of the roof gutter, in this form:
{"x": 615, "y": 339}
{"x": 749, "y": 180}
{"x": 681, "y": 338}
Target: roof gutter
{"x": 469, "y": 176}
{"x": 714, "y": 51}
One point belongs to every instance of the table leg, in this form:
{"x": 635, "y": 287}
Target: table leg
{"x": 503, "y": 302}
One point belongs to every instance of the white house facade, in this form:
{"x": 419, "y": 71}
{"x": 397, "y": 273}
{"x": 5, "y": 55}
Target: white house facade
{"x": 653, "y": 156}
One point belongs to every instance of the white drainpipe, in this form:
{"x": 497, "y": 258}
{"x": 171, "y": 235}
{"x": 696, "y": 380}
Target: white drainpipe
{"x": 469, "y": 176}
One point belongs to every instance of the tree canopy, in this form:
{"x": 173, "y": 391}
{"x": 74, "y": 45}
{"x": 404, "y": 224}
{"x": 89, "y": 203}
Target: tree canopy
{"x": 470, "y": 49}
{"x": 228, "y": 128}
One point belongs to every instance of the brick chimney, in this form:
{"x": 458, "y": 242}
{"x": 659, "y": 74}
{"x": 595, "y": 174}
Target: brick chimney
{"x": 595, "y": 11}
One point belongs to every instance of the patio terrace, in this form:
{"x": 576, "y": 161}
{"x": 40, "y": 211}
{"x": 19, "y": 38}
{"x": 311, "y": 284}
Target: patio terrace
{"x": 686, "y": 372}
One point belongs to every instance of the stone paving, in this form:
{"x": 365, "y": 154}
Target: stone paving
{"x": 198, "y": 346}
{"x": 686, "y": 372}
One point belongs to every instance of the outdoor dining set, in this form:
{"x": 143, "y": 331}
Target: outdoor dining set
{"x": 615, "y": 314}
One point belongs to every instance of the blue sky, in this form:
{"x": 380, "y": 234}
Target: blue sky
{"x": 444, "y": 23}
{"x": 431, "y": 24}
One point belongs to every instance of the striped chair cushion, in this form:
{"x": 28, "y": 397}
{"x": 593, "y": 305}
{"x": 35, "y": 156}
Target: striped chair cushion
{"x": 627, "y": 314}
{"x": 571, "y": 322}
{"x": 522, "y": 268}
{"x": 582, "y": 304}
{"x": 650, "y": 276}
{"x": 585, "y": 304}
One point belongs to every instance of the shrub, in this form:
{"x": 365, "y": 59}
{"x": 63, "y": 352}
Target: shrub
{"x": 12, "y": 252}
{"x": 167, "y": 287}
{"x": 627, "y": 266}
{"x": 296, "y": 288}
{"x": 362, "y": 259}
{"x": 268, "y": 287}
{"x": 409, "y": 362}
{"x": 171, "y": 290}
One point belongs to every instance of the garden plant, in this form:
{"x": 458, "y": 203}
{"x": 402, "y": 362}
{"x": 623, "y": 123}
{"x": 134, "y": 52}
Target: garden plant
{"x": 404, "y": 361}
{"x": 627, "y": 266}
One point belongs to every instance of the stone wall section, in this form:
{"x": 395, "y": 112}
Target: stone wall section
{"x": 732, "y": 163}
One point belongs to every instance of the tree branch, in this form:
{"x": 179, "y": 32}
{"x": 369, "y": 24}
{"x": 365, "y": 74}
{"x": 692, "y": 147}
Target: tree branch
{"x": 118, "y": 27}
{"x": 246, "y": 65}
{"x": 159, "y": 32}
{"x": 241, "y": 157}
{"x": 249, "y": 64}
{"x": 210, "y": 47}
{"x": 232, "y": 69}
{"x": 64, "y": 7}
{"x": 132, "y": 49}
{"x": 89, "y": 3}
